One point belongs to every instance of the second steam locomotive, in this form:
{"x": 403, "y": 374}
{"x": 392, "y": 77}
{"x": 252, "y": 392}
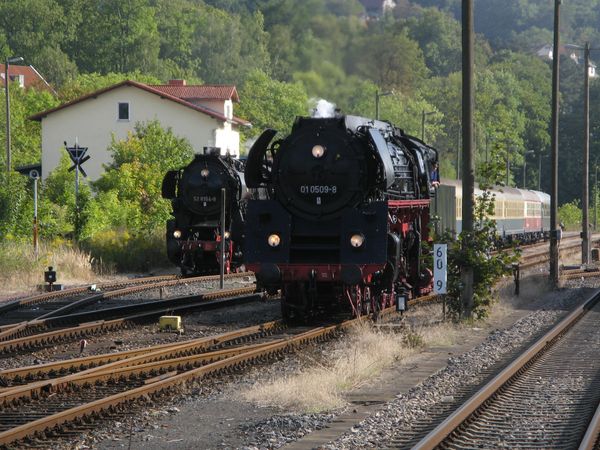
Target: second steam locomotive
{"x": 343, "y": 211}
{"x": 194, "y": 234}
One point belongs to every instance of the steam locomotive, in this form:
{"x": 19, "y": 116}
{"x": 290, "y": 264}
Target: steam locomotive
{"x": 194, "y": 234}
{"x": 342, "y": 213}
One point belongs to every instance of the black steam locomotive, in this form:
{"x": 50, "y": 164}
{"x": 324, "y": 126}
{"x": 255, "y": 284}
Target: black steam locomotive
{"x": 344, "y": 210}
{"x": 194, "y": 234}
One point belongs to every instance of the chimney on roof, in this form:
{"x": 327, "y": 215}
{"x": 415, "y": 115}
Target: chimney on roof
{"x": 177, "y": 83}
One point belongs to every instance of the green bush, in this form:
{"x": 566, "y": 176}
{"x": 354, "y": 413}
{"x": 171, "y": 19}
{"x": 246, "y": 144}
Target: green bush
{"x": 474, "y": 250}
{"x": 570, "y": 215}
{"x": 118, "y": 250}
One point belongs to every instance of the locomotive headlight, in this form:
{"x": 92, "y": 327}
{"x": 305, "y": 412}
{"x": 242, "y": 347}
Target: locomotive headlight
{"x": 204, "y": 173}
{"x": 226, "y": 235}
{"x": 274, "y": 240}
{"x": 357, "y": 240}
{"x": 318, "y": 151}
{"x": 177, "y": 234}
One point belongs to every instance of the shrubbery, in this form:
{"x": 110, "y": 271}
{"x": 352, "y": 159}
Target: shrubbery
{"x": 122, "y": 215}
{"x": 119, "y": 250}
{"x": 570, "y": 215}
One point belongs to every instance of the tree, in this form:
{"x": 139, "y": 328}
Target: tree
{"x": 129, "y": 192}
{"x": 268, "y": 103}
{"x": 31, "y": 25}
{"x": 55, "y": 66}
{"x": 439, "y": 37}
{"x": 377, "y": 58}
{"x": 90, "y": 82}
{"x": 116, "y": 36}
{"x": 229, "y": 46}
{"x": 25, "y": 134}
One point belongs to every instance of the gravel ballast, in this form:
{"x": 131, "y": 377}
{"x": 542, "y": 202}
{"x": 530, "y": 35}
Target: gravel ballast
{"x": 213, "y": 415}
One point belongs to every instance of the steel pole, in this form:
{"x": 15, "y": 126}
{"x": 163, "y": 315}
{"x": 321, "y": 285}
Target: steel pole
{"x": 458, "y": 153}
{"x": 596, "y": 197}
{"x": 507, "y": 166}
{"x": 423, "y": 126}
{"x": 6, "y": 94}
{"x": 585, "y": 200}
{"x": 540, "y": 171}
{"x": 35, "y": 217}
{"x": 468, "y": 173}
{"x": 554, "y": 231}
{"x": 524, "y": 171}
{"x": 377, "y": 105}
{"x": 487, "y": 159}
{"x": 223, "y": 230}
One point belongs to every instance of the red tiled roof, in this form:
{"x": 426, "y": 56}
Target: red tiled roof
{"x": 145, "y": 87}
{"x": 32, "y": 77}
{"x": 200, "y": 92}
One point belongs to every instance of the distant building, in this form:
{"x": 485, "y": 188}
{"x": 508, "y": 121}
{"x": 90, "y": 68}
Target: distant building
{"x": 376, "y": 8}
{"x": 574, "y": 52}
{"x": 26, "y": 76}
{"x": 202, "y": 114}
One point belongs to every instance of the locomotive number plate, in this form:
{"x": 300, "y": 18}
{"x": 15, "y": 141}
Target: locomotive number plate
{"x": 198, "y": 198}
{"x": 318, "y": 189}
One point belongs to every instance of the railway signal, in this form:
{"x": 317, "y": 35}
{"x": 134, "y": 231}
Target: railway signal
{"x": 34, "y": 173}
{"x": 78, "y": 156}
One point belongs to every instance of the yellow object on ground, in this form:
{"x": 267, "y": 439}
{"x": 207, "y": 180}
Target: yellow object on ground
{"x": 170, "y": 323}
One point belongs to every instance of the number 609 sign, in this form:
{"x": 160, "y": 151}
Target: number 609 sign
{"x": 440, "y": 271}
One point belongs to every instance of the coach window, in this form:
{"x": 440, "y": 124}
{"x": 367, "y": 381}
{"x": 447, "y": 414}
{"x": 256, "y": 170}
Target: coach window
{"x": 123, "y": 111}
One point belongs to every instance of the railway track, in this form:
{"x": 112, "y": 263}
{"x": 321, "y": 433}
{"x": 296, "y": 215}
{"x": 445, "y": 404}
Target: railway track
{"x": 547, "y": 398}
{"x": 51, "y": 304}
{"x": 41, "y": 333}
{"x": 63, "y": 398}
{"x": 50, "y": 407}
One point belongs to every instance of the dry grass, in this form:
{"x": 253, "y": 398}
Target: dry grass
{"x": 443, "y": 334}
{"x": 20, "y": 271}
{"x": 357, "y": 358}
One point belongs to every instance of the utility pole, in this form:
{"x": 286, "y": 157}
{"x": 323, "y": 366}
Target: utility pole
{"x": 596, "y": 196}
{"x": 554, "y": 231}
{"x": 468, "y": 176}
{"x": 540, "y": 170}
{"x": 507, "y": 165}
{"x": 223, "y": 233}
{"x": 585, "y": 232}
{"x": 377, "y": 96}
{"x": 423, "y": 115}
{"x": 458, "y": 145}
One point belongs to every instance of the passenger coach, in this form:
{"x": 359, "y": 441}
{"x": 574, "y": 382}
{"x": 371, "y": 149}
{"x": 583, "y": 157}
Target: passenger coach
{"x": 520, "y": 215}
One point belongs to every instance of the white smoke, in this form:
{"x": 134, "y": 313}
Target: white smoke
{"x": 322, "y": 109}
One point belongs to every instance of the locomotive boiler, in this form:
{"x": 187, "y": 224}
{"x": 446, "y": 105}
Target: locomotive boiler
{"x": 342, "y": 214}
{"x": 194, "y": 233}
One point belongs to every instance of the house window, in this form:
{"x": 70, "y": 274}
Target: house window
{"x": 123, "y": 111}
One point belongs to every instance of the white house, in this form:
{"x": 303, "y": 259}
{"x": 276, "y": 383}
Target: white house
{"x": 202, "y": 114}
{"x": 574, "y": 52}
